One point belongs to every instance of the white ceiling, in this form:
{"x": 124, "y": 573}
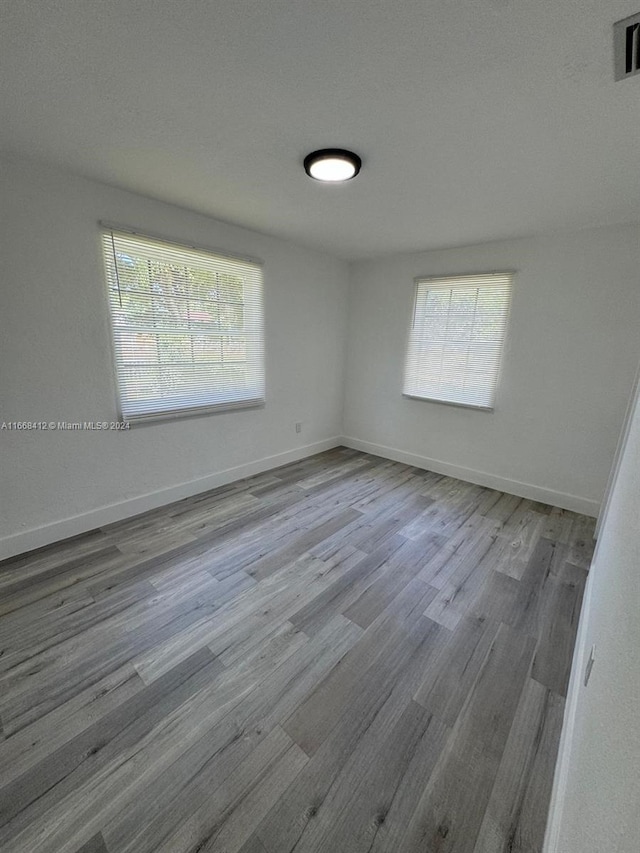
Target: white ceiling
{"x": 476, "y": 119}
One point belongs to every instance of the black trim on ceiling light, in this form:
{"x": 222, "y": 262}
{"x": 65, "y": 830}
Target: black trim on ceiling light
{"x": 332, "y": 154}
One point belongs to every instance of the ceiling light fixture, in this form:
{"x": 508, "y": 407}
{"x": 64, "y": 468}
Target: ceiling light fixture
{"x": 332, "y": 165}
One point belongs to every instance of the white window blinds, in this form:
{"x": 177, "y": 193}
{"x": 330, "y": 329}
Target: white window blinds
{"x": 187, "y": 327}
{"x": 456, "y": 338}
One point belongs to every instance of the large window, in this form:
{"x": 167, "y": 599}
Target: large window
{"x": 456, "y": 338}
{"x": 187, "y": 327}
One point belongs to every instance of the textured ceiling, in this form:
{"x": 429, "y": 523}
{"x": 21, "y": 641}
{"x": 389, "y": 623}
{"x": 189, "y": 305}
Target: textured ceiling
{"x": 476, "y": 119}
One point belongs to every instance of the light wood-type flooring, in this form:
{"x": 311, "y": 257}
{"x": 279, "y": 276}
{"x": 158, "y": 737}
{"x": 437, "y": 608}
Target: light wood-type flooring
{"x": 345, "y": 654}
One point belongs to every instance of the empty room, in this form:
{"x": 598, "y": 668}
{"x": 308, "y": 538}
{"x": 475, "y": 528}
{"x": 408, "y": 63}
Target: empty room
{"x": 319, "y": 428}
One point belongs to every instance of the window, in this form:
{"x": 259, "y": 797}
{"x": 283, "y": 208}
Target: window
{"x": 456, "y": 338}
{"x": 187, "y": 327}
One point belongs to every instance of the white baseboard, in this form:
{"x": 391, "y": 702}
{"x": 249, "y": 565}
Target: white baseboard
{"x": 37, "y": 537}
{"x": 575, "y": 503}
{"x": 563, "y": 761}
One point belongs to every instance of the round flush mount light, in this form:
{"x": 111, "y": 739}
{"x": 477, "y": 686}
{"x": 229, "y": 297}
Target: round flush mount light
{"x": 332, "y": 165}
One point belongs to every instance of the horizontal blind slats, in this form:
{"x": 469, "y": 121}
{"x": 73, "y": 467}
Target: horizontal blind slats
{"x": 456, "y": 338}
{"x": 187, "y": 326}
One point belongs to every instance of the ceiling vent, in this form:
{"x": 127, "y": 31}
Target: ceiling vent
{"x": 626, "y": 47}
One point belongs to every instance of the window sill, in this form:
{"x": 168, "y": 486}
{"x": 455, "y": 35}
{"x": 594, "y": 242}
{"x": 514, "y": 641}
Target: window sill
{"x": 201, "y": 411}
{"x": 449, "y": 403}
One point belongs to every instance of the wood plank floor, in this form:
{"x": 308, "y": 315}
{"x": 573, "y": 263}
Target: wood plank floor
{"x": 346, "y": 654}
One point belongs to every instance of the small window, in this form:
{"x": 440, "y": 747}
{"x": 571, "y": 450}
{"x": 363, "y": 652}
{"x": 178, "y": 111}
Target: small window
{"x": 456, "y": 339}
{"x": 187, "y": 327}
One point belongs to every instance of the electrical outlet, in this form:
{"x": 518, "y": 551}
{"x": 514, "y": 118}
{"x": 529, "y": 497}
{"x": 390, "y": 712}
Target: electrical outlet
{"x": 589, "y": 667}
{"x": 298, "y": 426}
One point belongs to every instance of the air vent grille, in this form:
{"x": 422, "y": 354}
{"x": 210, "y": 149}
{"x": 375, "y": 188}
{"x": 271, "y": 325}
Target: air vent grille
{"x": 626, "y": 47}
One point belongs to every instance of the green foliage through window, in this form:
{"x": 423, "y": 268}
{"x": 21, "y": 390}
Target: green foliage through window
{"x": 187, "y": 326}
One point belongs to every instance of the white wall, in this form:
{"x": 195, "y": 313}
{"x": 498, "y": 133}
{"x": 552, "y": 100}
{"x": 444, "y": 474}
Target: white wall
{"x": 595, "y": 808}
{"x": 55, "y": 361}
{"x": 570, "y": 358}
